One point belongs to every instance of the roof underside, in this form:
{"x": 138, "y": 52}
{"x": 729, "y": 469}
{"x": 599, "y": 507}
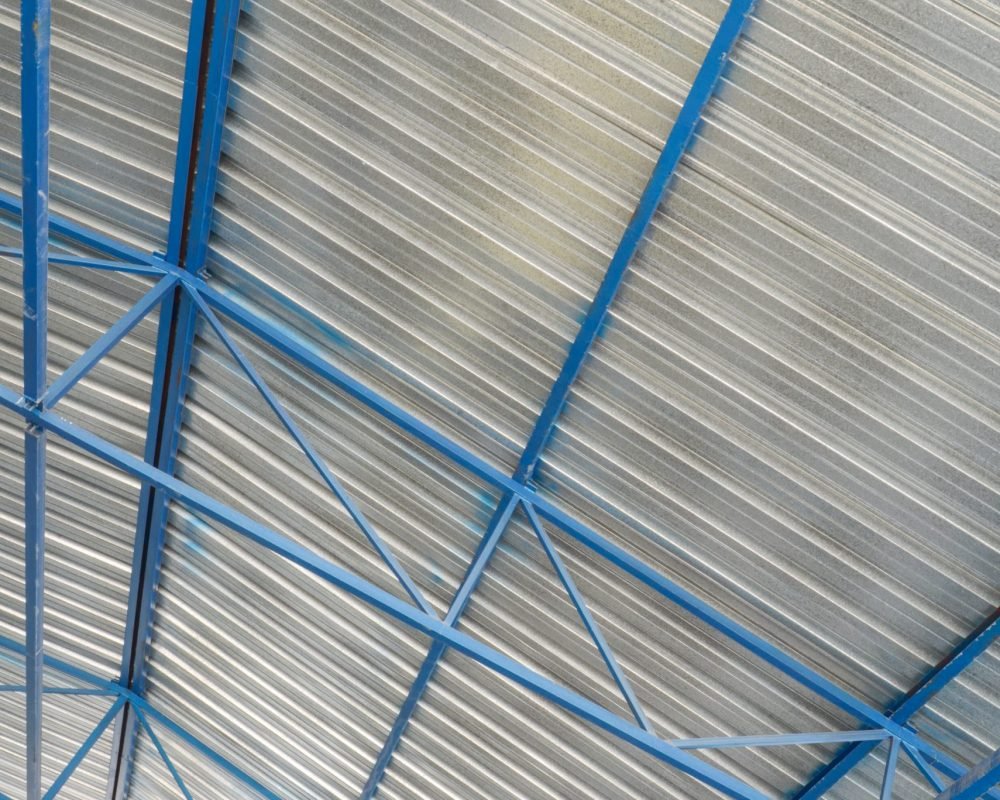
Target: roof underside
{"x": 792, "y": 410}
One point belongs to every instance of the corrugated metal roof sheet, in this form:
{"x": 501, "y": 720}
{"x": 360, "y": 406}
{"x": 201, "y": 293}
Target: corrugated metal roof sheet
{"x": 792, "y": 410}
{"x": 116, "y": 86}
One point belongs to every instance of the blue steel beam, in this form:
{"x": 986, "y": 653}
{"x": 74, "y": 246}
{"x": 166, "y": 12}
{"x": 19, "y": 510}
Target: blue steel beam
{"x": 306, "y": 356}
{"x": 36, "y": 33}
{"x": 441, "y": 630}
{"x": 88, "y": 263}
{"x": 946, "y": 670}
{"x": 779, "y": 740}
{"x": 211, "y": 45}
{"x": 387, "y": 603}
{"x": 976, "y": 781}
{"x": 676, "y": 144}
{"x": 59, "y": 690}
{"x": 674, "y": 148}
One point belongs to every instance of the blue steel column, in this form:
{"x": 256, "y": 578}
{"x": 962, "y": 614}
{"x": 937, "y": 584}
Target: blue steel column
{"x": 901, "y": 711}
{"x": 211, "y": 46}
{"x": 673, "y": 149}
{"x": 36, "y": 31}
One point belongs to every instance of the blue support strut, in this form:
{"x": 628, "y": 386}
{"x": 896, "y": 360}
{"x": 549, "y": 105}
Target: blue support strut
{"x": 391, "y": 605}
{"x": 211, "y": 44}
{"x": 901, "y": 711}
{"x": 36, "y": 32}
{"x": 307, "y": 357}
{"x": 445, "y": 633}
{"x": 676, "y": 144}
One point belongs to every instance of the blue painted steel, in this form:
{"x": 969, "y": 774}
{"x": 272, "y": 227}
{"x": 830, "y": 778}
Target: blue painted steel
{"x": 186, "y": 160}
{"x": 163, "y": 755}
{"x": 924, "y": 768}
{"x": 314, "y": 458}
{"x": 220, "y": 67}
{"x": 677, "y": 142}
{"x": 903, "y": 709}
{"x": 36, "y": 32}
{"x": 206, "y": 89}
{"x": 59, "y": 690}
{"x": 89, "y": 263}
{"x": 889, "y": 775}
{"x": 75, "y": 232}
{"x": 85, "y": 748}
{"x": 976, "y": 781}
{"x": 389, "y": 604}
{"x": 100, "y": 348}
{"x": 588, "y": 620}
{"x": 779, "y": 740}
{"x": 484, "y": 552}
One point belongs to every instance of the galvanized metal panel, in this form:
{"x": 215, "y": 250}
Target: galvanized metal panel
{"x": 444, "y": 184}
{"x": 116, "y": 80}
{"x": 794, "y": 409}
{"x": 291, "y": 680}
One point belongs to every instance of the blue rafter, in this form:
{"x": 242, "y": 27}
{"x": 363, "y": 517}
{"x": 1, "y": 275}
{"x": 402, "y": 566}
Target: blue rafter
{"x": 976, "y": 781}
{"x": 308, "y": 357}
{"x": 211, "y": 46}
{"x": 676, "y": 144}
{"x": 903, "y": 709}
{"x": 36, "y": 33}
{"x": 447, "y": 634}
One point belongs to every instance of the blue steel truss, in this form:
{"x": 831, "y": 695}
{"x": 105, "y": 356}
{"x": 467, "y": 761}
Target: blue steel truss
{"x": 184, "y": 297}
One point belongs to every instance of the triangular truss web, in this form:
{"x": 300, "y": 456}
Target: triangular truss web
{"x": 318, "y": 464}
{"x": 529, "y": 605}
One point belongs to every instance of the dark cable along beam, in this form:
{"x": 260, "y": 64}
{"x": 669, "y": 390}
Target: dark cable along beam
{"x": 211, "y": 44}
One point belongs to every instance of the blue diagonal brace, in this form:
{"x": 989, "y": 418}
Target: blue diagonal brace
{"x": 588, "y": 619}
{"x": 889, "y": 774}
{"x": 489, "y": 657}
{"x": 902, "y": 710}
{"x": 211, "y": 46}
{"x": 676, "y": 144}
{"x": 36, "y": 32}
{"x": 314, "y": 457}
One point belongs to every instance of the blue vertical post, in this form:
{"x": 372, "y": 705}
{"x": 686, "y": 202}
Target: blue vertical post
{"x": 915, "y": 699}
{"x": 36, "y": 31}
{"x": 211, "y": 47}
{"x": 673, "y": 149}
